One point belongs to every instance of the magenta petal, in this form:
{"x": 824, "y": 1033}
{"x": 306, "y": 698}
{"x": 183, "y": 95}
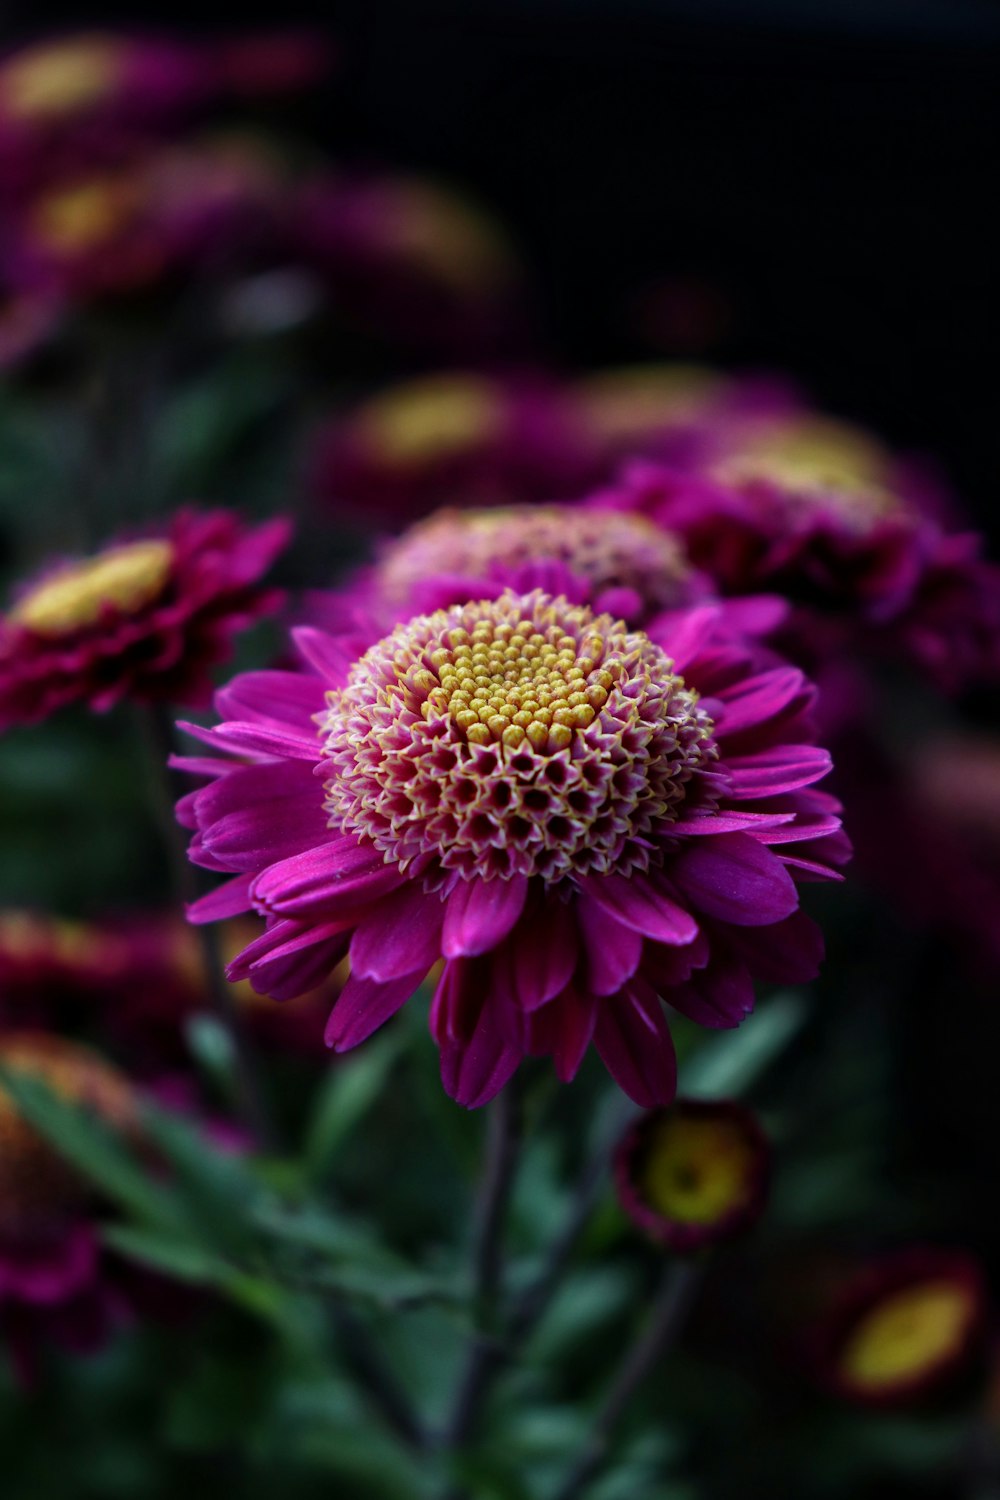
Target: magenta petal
{"x": 782, "y": 769}
{"x": 364, "y": 1005}
{"x": 642, "y": 902}
{"x": 564, "y": 1029}
{"x": 332, "y": 656}
{"x": 280, "y": 700}
{"x": 634, "y": 1041}
{"x": 480, "y": 914}
{"x": 613, "y": 950}
{"x": 735, "y": 879}
{"x": 400, "y": 934}
{"x": 790, "y": 952}
{"x": 341, "y": 873}
{"x": 754, "y": 700}
{"x": 710, "y": 823}
{"x": 254, "y": 739}
{"x": 263, "y": 833}
{"x": 719, "y": 995}
{"x": 539, "y": 957}
{"x": 228, "y": 900}
{"x": 474, "y": 1071}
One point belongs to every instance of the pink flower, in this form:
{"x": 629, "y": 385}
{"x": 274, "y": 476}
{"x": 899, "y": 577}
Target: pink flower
{"x": 579, "y": 820}
{"x": 413, "y": 260}
{"x": 863, "y": 566}
{"x": 145, "y": 619}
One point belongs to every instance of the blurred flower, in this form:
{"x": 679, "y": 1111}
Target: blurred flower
{"x": 459, "y": 438}
{"x": 620, "y": 563}
{"x": 143, "y": 619}
{"x": 677, "y": 413}
{"x": 413, "y": 260}
{"x": 904, "y": 1328}
{"x": 695, "y": 1174}
{"x": 579, "y": 820}
{"x": 63, "y": 82}
{"x": 56, "y": 1281}
{"x": 135, "y": 221}
{"x": 863, "y": 566}
{"x": 27, "y": 322}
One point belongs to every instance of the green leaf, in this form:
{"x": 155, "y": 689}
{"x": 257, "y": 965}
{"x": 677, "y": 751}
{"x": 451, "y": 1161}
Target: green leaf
{"x": 179, "y": 1259}
{"x": 349, "y": 1091}
{"x": 732, "y": 1061}
{"x": 96, "y": 1150}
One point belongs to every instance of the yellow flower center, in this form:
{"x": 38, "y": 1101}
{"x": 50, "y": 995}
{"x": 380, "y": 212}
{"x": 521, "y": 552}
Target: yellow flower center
{"x": 696, "y": 1170}
{"x": 440, "y": 418}
{"x": 908, "y": 1333}
{"x": 512, "y": 682}
{"x": 818, "y": 455}
{"x": 48, "y": 82}
{"x": 35, "y": 1182}
{"x": 123, "y": 578}
{"x": 86, "y": 215}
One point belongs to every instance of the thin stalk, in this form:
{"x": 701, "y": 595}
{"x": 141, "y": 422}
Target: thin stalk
{"x": 485, "y": 1350}
{"x": 673, "y": 1302}
{"x": 158, "y": 738}
{"x": 386, "y": 1395}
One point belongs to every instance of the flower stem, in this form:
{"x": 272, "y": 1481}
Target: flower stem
{"x": 673, "y": 1302}
{"x": 157, "y": 733}
{"x": 485, "y": 1351}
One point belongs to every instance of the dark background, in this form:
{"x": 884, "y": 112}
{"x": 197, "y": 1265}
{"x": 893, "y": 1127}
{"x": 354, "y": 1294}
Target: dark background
{"x": 815, "y": 179}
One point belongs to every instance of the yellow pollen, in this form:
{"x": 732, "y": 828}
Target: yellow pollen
{"x": 442, "y": 417}
{"x": 695, "y": 1170}
{"x": 493, "y": 685}
{"x": 47, "y": 82}
{"x": 123, "y": 578}
{"x": 908, "y": 1333}
{"x": 84, "y": 216}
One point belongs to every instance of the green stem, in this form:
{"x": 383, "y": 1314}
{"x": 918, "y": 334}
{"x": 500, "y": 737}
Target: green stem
{"x": 677, "y": 1290}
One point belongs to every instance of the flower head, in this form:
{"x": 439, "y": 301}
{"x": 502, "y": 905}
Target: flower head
{"x": 904, "y": 1328}
{"x": 577, "y": 818}
{"x": 695, "y": 1174}
{"x": 821, "y": 526}
{"x": 412, "y": 259}
{"x": 461, "y": 437}
{"x": 144, "y": 619}
{"x": 620, "y": 563}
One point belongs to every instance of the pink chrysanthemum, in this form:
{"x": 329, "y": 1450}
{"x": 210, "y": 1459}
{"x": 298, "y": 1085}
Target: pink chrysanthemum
{"x": 143, "y": 619}
{"x": 578, "y": 819}
{"x": 850, "y": 554}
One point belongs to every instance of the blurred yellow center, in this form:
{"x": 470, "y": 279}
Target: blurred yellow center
{"x": 818, "y": 454}
{"x": 435, "y": 419}
{"x": 124, "y": 578}
{"x": 84, "y": 216}
{"x": 696, "y": 1170}
{"x": 61, "y": 80}
{"x": 908, "y": 1333}
{"x": 451, "y": 239}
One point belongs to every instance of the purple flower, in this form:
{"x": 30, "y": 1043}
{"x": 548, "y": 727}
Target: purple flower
{"x": 578, "y": 819}
{"x": 144, "y": 619}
